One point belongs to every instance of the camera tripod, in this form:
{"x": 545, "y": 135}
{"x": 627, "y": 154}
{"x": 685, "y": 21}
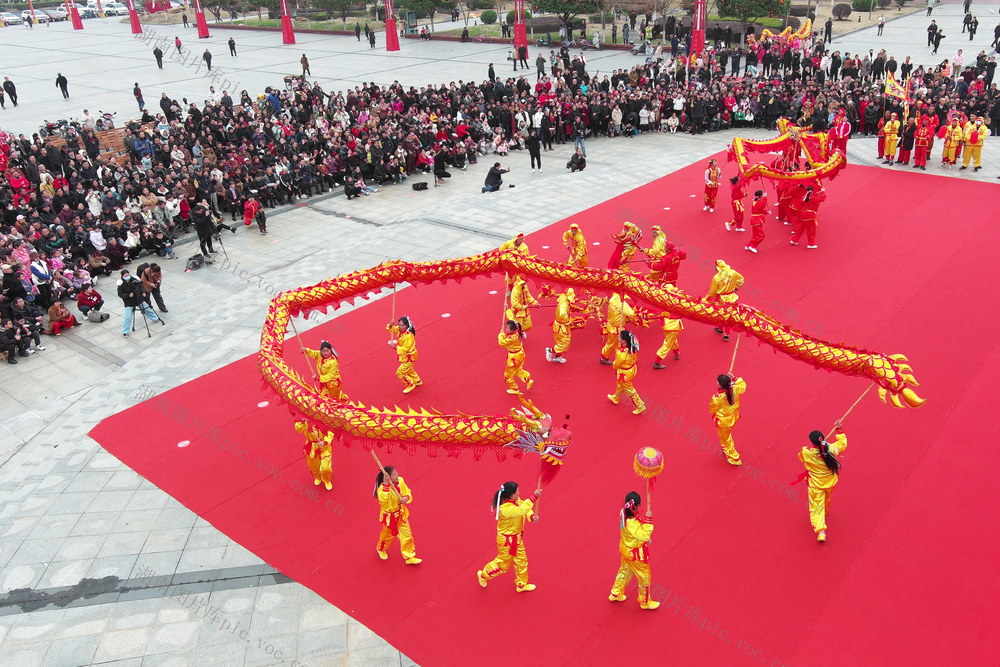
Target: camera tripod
{"x": 141, "y": 308}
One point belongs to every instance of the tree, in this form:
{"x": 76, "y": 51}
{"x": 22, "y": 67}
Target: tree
{"x": 663, "y": 7}
{"x": 841, "y": 11}
{"x": 567, "y": 9}
{"x": 427, "y": 7}
{"x": 339, "y": 8}
{"x": 748, "y": 11}
{"x": 468, "y": 5}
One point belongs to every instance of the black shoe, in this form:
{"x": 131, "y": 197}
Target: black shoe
{"x": 12, "y": 360}
{"x": 718, "y": 330}
{"x": 658, "y": 366}
{"x": 962, "y": 167}
{"x": 164, "y": 310}
{"x": 125, "y": 335}
{"x": 232, "y": 229}
{"x": 725, "y": 337}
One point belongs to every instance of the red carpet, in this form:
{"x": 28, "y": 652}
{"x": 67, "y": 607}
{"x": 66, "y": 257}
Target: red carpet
{"x": 909, "y": 573}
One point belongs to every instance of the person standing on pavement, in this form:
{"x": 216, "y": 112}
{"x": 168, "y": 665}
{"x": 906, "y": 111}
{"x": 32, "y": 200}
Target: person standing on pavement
{"x": 371, "y": 38}
{"x": 177, "y": 43}
{"x": 357, "y": 31}
{"x": 881, "y": 24}
{"x": 232, "y": 46}
{"x": 11, "y": 89}
{"x": 930, "y": 7}
{"x": 207, "y": 57}
{"x": 203, "y": 225}
{"x": 137, "y": 91}
{"x": 184, "y": 18}
{"x": 534, "y": 146}
{"x": 305, "y": 65}
{"x": 540, "y": 66}
{"x": 151, "y": 278}
{"x": 158, "y": 54}
{"x": 522, "y": 55}
{"x": 931, "y": 31}
{"x": 63, "y": 84}
{"x": 828, "y": 31}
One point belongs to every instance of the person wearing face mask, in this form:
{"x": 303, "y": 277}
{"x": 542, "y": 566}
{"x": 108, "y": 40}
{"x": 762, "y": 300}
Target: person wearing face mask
{"x": 975, "y": 134}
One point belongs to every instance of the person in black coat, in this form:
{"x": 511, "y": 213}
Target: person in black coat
{"x": 534, "y": 146}
{"x": 203, "y": 225}
{"x": 494, "y": 179}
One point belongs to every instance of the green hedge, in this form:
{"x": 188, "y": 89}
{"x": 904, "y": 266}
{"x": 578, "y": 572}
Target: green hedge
{"x": 841, "y": 11}
{"x": 801, "y": 10}
{"x": 489, "y": 17}
{"x": 861, "y": 5}
{"x": 510, "y": 16}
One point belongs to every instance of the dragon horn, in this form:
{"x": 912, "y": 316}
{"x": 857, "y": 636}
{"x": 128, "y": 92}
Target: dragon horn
{"x": 895, "y": 400}
{"x": 882, "y": 393}
{"x": 909, "y": 379}
{"x": 898, "y": 357}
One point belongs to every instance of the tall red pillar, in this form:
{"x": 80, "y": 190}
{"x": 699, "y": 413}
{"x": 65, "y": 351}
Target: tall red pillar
{"x": 698, "y": 29}
{"x": 199, "y": 19}
{"x": 287, "y": 33}
{"x": 391, "y": 36}
{"x": 133, "y": 17}
{"x": 520, "y": 34}
{"x": 74, "y": 15}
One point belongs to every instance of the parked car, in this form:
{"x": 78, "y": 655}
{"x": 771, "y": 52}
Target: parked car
{"x": 88, "y": 12}
{"x": 59, "y": 11}
{"x": 10, "y": 18}
{"x": 40, "y": 16}
{"x": 115, "y": 9}
{"x": 54, "y": 16}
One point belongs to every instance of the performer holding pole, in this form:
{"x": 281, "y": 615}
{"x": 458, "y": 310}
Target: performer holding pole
{"x": 512, "y": 340}
{"x": 520, "y": 301}
{"x": 576, "y": 244}
{"x": 633, "y": 548}
{"x": 737, "y": 191}
{"x": 625, "y": 362}
{"x": 823, "y": 471}
{"x": 560, "y": 328}
{"x": 725, "y": 409}
{"x": 319, "y": 453}
{"x": 328, "y": 367}
{"x": 511, "y": 515}
{"x": 757, "y": 212}
{"x": 405, "y": 341}
{"x": 619, "y": 312}
{"x": 712, "y": 175}
{"x": 394, "y": 516}
{"x": 725, "y": 282}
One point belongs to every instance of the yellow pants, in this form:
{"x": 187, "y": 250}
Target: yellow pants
{"x": 515, "y": 369}
{"x": 890, "y": 146}
{"x": 628, "y": 569}
{"x": 321, "y": 467}
{"x": 610, "y": 343}
{"x": 406, "y": 546}
{"x": 334, "y": 390}
{"x": 523, "y": 320}
{"x": 502, "y": 562}
{"x": 624, "y": 386}
{"x": 579, "y": 260}
{"x": 669, "y": 344}
{"x": 561, "y": 335}
{"x": 626, "y": 261}
{"x": 407, "y": 375}
{"x": 950, "y": 153}
{"x": 819, "y": 503}
{"x": 726, "y": 441}
{"x": 970, "y": 153}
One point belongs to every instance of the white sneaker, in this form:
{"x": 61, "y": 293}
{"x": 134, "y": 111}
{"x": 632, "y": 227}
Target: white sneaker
{"x": 539, "y": 170}
{"x": 30, "y": 351}
{"x": 812, "y": 247}
{"x": 559, "y": 360}
{"x": 532, "y": 170}
{"x": 705, "y": 209}
{"x": 752, "y": 249}
{"x": 40, "y": 347}
{"x": 793, "y": 242}
{"x": 711, "y": 210}
{"x": 548, "y": 354}
{"x": 728, "y": 227}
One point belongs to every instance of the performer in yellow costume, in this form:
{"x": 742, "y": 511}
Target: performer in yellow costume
{"x": 627, "y": 242}
{"x": 953, "y": 136}
{"x": 672, "y": 327}
{"x": 520, "y": 301}
{"x": 511, "y": 515}
{"x": 974, "y": 135}
{"x": 394, "y": 516}
{"x": 328, "y": 370}
{"x": 511, "y": 339}
{"x": 891, "y": 130}
{"x": 626, "y": 359}
{"x": 659, "y": 247}
{"x": 576, "y": 245}
{"x": 319, "y": 454}
{"x": 725, "y": 409}
{"x": 822, "y": 468}
{"x": 725, "y": 282}
{"x": 633, "y": 547}
{"x": 619, "y": 312}
{"x": 518, "y": 245}
{"x": 406, "y": 351}
{"x": 560, "y": 328}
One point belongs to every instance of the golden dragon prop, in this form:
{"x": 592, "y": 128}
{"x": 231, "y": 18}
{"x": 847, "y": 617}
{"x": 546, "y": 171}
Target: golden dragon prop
{"x": 432, "y": 431}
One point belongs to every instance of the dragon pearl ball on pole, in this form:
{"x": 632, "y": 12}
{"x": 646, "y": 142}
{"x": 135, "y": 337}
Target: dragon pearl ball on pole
{"x": 648, "y": 463}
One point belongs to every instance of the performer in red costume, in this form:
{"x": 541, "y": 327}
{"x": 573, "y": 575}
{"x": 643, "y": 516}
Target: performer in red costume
{"x": 840, "y": 133}
{"x": 737, "y": 191}
{"x": 667, "y": 267}
{"x": 757, "y": 212}
{"x": 922, "y": 143}
{"x": 712, "y": 175}
{"x": 796, "y": 192}
{"x": 815, "y": 195}
{"x": 250, "y": 211}
{"x": 784, "y": 192}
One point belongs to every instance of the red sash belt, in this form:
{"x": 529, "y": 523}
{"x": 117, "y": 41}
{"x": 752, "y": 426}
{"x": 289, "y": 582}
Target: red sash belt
{"x": 641, "y": 554}
{"x": 512, "y": 541}
{"x": 391, "y": 521}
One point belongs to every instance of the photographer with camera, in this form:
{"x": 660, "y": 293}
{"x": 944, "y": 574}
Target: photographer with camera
{"x": 133, "y": 296}
{"x": 494, "y": 178}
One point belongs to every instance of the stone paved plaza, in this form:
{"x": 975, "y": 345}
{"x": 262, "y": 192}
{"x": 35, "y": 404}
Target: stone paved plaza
{"x": 97, "y": 565}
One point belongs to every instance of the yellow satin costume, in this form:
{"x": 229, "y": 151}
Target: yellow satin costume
{"x": 619, "y": 312}
{"x": 657, "y": 250}
{"x": 520, "y": 301}
{"x": 725, "y": 282}
{"x": 521, "y": 248}
{"x": 629, "y": 237}
{"x": 974, "y": 149}
{"x": 726, "y": 416}
{"x": 891, "y": 130}
{"x": 329, "y": 375}
{"x": 577, "y": 244}
{"x": 395, "y": 520}
{"x": 672, "y": 328}
{"x": 515, "y": 362}
{"x": 625, "y": 367}
{"x": 633, "y": 547}
{"x": 821, "y": 480}
{"x": 953, "y": 136}
{"x": 510, "y": 542}
{"x": 406, "y": 353}
{"x": 319, "y": 458}
{"x": 560, "y": 327}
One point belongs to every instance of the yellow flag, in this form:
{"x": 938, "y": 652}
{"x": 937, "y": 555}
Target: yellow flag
{"x": 893, "y": 89}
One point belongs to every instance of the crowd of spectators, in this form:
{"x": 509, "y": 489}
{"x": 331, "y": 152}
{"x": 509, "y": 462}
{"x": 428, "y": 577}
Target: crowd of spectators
{"x": 70, "y": 216}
